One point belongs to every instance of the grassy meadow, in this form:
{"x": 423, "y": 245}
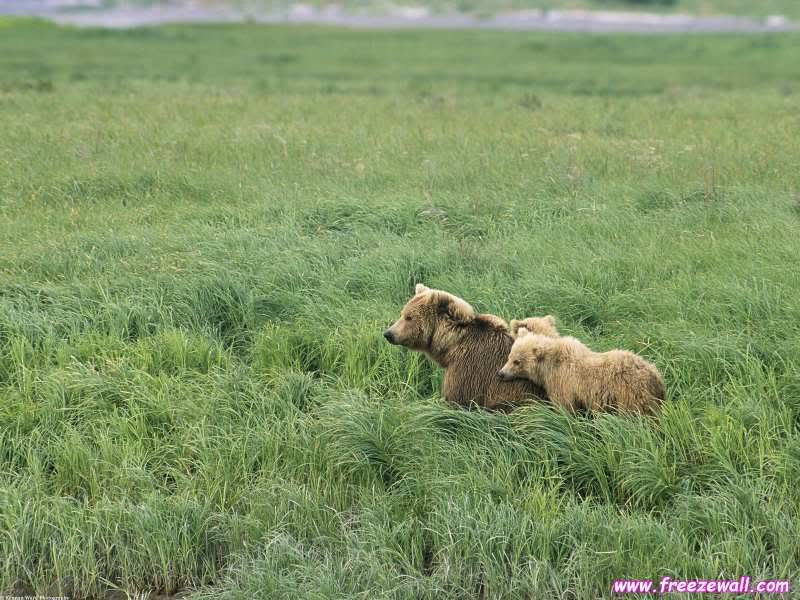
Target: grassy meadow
{"x": 205, "y": 229}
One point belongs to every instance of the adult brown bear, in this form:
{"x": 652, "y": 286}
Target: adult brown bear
{"x": 471, "y": 348}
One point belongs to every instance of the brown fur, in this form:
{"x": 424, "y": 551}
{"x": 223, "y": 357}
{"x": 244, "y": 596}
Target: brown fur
{"x": 542, "y": 325}
{"x": 577, "y": 378}
{"x": 470, "y": 348}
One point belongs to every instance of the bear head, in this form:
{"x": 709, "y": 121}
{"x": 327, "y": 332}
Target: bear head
{"x": 541, "y": 325}
{"x": 428, "y": 313}
{"x": 527, "y": 356}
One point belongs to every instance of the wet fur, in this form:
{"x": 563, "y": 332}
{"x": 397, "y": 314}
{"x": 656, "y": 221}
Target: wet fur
{"x": 470, "y": 347}
{"x": 473, "y": 354}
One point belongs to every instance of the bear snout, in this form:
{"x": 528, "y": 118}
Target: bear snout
{"x": 503, "y": 375}
{"x": 389, "y": 336}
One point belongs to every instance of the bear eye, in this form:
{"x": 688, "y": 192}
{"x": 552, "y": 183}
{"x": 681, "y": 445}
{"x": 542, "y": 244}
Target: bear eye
{"x": 516, "y": 363}
{"x": 408, "y": 318}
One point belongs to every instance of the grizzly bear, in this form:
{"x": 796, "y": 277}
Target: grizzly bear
{"x": 542, "y": 325}
{"x": 470, "y": 347}
{"x": 577, "y": 378}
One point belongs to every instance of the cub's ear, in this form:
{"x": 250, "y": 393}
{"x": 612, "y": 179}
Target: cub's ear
{"x": 420, "y": 288}
{"x": 514, "y": 325}
{"x": 454, "y": 307}
{"x": 522, "y": 331}
{"x": 550, "y": 319}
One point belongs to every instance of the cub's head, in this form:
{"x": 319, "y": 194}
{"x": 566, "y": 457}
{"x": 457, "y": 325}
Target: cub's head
{"x": 538, "y": 325}
{"x": 527, "y": 355}
{"x": 424, "y": 314}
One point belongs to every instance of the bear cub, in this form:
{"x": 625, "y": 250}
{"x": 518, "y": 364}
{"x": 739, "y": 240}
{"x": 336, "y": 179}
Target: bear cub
{"x": 575, "y": 377}
{"x": 542, "y": 325}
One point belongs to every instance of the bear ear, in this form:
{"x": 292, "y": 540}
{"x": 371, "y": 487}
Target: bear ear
{"x": 455, "y": 308}
{"x": 420, "y": 288}
{"x": 550, "y": 319}
{"x": 522, "y": 331}
{"x": 514, "y": 324}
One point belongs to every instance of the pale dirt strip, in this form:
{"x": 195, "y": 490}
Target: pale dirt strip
{"x": 80, "y": 12}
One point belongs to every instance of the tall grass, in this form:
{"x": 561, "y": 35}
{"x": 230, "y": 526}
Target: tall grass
{"x": 205, "y": 229}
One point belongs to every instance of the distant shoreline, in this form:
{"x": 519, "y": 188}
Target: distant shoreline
{"x": 405, "y": 18}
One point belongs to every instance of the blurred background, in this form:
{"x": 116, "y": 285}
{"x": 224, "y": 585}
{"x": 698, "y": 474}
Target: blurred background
{"x": 592, "y": 15}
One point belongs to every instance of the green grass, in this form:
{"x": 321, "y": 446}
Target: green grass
{"x": 203, "y": 231}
